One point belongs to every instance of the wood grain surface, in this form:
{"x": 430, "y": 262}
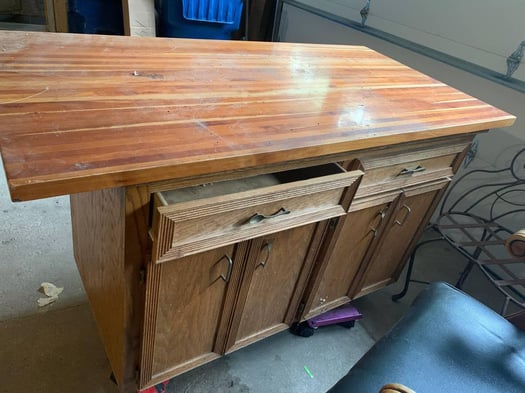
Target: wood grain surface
{"x": 82, "y": 112}
{"x": 98, "y": 225}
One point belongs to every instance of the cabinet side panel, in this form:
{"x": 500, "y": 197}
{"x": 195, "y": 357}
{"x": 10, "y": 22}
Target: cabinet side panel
{"x": 137, "y": 254}
{"x": 98, "y": 242}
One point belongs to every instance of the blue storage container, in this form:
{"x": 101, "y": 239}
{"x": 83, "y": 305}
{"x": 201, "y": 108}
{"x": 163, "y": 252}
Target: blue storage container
{"x": 211, "y": 19}
{"x": 95, "y": 17}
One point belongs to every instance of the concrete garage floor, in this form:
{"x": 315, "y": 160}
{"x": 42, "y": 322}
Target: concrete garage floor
{"x": 57, "y": 348}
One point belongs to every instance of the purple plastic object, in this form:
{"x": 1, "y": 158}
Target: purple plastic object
{"x": 341, "y": 314}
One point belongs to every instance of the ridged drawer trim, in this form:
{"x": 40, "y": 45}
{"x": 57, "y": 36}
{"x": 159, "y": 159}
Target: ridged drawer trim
{"x": 174, "y": 251}
{"x": 363, "y": 202}
{"x": 385, "y": 159}
{"x": 170, "y": 216}
{"x": 221, "y": 204}
{"x": 403, "y": 182}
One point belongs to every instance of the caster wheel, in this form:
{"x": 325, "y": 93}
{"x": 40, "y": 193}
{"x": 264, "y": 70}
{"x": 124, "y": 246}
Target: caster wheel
{"x": 348, "y": 324}
{"x": 302, "y": 329}
{"x": 395, "y": 298}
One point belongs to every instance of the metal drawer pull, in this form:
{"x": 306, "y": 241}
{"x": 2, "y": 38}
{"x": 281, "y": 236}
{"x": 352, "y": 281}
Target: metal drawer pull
{"x": 268, "y": 247}
{"x": 381, "y": 214}
{"x": 230, "y": 268}
{"x": 259, "y": 217}
{"x": 409, "y": 171}
{"x": 408, "y": 211}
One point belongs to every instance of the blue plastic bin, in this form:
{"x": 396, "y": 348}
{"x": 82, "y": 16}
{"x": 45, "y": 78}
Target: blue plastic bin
{"x": 95, "y": 17}
{"x": 211, "y": 19}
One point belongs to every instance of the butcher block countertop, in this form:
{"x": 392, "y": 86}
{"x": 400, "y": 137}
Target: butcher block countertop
{"x": 85, "y": 112}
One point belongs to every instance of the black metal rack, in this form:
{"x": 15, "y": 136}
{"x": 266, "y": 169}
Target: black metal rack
{"x": 473, "y": 220}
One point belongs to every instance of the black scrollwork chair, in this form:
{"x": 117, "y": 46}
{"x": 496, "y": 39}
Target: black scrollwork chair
{"x": 475, "y": 218}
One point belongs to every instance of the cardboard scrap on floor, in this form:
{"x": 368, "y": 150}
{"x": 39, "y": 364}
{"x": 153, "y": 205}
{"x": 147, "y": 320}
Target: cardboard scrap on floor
{"x": 51, "y": 291}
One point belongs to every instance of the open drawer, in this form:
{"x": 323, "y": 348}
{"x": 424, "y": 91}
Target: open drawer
{"x": 195, "y": 219}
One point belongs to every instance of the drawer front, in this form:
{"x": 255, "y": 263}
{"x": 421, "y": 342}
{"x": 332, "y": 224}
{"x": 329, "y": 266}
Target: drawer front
{"x": 191, "y": 227}
{"x": 406, "y": 169}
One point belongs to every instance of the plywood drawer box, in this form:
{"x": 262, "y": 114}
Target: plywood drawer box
{"x": 195, "y": 219}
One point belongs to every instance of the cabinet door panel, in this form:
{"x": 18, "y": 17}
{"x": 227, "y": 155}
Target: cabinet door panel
{"x": 389, "y": 259}
{"x": 276, "y": 262}
{"x": 191, "y": 294}
{"x": 356, "y": 236}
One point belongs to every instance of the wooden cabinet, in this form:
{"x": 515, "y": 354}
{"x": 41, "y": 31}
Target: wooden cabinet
{"x": 184, "y": 303}
{"x": 401, "y": 230}
{"x": 330, "y": 286}
{"x": 271, "y": 279}
{"x": 239, "y": 260}
{"x": 233, "y": 261}
{"x": 203, "y": 118}
{"x": 371, "y": 247}
{"x": 230, "y": 261}
{"x": 368, "y": 247}
{"x": 204, "y": 305}
{"x": 412, "y": 180}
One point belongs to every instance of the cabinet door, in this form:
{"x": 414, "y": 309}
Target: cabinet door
{"x": 410, "y": 218}
{"x": 358, "y": 234}
{"x": 274, "y": 266}
{"x": 185, "y": 302}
